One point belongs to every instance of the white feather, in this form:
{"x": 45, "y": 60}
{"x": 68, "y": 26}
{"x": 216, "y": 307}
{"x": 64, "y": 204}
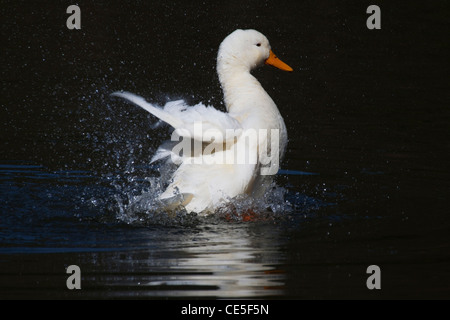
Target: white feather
{"x": 198, "y": 122}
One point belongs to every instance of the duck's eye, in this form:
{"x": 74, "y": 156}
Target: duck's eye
{"x": 258, "y": 44}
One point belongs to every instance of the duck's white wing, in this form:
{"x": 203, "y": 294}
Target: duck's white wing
{"x": 199, "y": 122}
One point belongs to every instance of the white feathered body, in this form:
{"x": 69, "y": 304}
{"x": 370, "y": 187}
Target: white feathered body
{"x": 201, "y": 183}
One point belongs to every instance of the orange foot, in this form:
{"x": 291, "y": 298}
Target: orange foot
{"x": 247, "y": 215}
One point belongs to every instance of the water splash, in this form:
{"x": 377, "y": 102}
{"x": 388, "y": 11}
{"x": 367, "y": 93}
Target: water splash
{"x": 122, "y": 145}
{"x": 136, "y": 202}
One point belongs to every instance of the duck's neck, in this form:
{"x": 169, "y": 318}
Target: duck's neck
{"x": 248, "y": 102}
{"x": 242, "y": 92}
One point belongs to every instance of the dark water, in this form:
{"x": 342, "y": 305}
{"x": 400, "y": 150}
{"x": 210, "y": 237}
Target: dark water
{"x": 365, "y": 180}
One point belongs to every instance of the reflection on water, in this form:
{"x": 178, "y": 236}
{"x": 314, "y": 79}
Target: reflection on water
{"x": 46, "y": 214}
{"x": 213, "y": 263}
{"x": 239, "y": 267}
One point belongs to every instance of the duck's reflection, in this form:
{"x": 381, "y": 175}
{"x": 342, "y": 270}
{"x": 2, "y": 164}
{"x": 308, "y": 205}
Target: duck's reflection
{"x": 224, "y": 260}
{"x": 228, "y": 260}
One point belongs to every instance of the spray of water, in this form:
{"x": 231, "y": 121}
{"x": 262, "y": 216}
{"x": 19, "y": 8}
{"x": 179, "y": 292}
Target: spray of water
{"x": 129, "y": 186}
{"x": 136, "y": 201}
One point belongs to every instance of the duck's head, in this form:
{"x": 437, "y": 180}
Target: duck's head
{"x": 247, "y": 49}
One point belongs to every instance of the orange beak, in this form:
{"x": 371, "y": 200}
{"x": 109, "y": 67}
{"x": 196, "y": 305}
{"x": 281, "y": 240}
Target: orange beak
{"x": 274, "y": 61}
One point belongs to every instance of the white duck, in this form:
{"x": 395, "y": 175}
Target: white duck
{"x": 202, "y": 184}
